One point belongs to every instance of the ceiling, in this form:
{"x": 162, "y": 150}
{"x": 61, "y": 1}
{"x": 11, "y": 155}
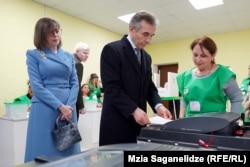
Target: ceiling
{"x": 178, "y": 18}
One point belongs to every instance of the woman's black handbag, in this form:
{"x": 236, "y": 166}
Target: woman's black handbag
{"x": 65, "y": 136}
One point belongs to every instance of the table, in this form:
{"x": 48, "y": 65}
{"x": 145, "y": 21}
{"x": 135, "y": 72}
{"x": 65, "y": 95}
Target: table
{"x": 171, "y": 98}
{"x": 89, "y": 125}
{"x": 13, "y": 136}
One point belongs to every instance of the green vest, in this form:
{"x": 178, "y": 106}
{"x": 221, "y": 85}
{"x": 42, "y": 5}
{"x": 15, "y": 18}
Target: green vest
{"x": 95, "y": 91}
{"x": 204, "y": 94}
{"x": 244, "y": 85}
{"x": 22, "y": 99}
{"x": 244, "y": 90}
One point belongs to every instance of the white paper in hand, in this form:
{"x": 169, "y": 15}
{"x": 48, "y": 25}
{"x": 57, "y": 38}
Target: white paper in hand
{"x": 159, "y": 120}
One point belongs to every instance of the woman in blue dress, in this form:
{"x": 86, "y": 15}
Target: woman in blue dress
{"x": 54, "y": 82}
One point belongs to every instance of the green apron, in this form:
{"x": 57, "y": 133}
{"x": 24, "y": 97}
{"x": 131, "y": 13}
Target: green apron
{"x": 22, "y": 99}
{"x": 244, "y": 89}
{"x": 204, "y": 94}
{"x": 244, "y": 85}
{"x": 95, "y": 91}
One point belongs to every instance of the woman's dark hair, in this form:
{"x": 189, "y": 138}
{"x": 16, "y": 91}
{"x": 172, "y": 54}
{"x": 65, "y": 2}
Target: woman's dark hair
{"x": 205, "y": 42}
{"x": 42, "y": 28}
{"x": 88, "y": 94}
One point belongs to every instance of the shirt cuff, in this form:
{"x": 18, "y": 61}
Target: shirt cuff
{"x": 157, "y": 106}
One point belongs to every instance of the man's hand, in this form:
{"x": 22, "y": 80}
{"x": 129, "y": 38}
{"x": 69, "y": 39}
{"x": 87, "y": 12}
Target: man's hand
{"x": 164, "y": 112}
{"x": 141, "y": 117}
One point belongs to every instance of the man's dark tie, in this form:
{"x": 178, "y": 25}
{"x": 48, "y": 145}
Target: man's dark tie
{"x": 138, "y": 55}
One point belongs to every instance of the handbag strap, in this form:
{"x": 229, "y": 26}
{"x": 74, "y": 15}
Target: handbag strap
{"x": 58, "y": 120}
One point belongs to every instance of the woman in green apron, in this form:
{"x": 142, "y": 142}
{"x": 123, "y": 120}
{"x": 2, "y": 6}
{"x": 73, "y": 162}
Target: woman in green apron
{"x": 207, "y": 87}
{"x": 94, "y": 87}
{"x": 25, "y": 98}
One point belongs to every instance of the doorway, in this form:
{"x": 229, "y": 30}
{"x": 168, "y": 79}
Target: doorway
{"x": 163, "y": 71}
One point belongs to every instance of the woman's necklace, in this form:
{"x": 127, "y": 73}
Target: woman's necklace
{"x": 203, "y": 73}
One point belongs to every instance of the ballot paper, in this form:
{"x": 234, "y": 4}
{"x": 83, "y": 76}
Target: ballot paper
{"x": 158, "y": 120}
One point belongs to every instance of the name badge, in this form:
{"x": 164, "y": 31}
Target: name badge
{"x": 195, "y": 106}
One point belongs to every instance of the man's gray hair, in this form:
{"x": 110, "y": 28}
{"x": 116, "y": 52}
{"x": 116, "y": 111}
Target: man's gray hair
{"x": 81, "y": 46}
{"x": 143, "y": 15}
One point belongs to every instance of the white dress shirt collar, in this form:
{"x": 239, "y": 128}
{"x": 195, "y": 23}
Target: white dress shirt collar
{"x": 131, "y": 42}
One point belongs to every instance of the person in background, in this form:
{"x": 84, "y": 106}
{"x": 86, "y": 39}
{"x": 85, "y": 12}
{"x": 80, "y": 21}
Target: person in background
{"x": 27, "y": 97}
{"x": 87, "y": 94}
{"x": 94, "y": 87}
{"x": 100, "y": 85}
{"x": 85, "y": 91}
{"x": 244, "y": 83}
{"x": 244, "y": 89}
{"x": 127, "y": 83}
{"x": 247, "y": 109}
{"x": 207, "y": 87}
{"x": 247, "y": 94}
{"x": 81, "y": 55}
{"x": 54, "y": 82}
{"x": 246, "y": 104}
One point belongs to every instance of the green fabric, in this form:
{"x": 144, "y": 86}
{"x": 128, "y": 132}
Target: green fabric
{"x": 246, "y": 119}
{"x": 95, "y": 91}
{"x": 244, "y": 89}
{"x": 89, "y": 98}
{"x": 242, "y": 110}
{"x": 22, "y": 99}
{"x": 244, "y": 85}
{"x": 206, "y": 91}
